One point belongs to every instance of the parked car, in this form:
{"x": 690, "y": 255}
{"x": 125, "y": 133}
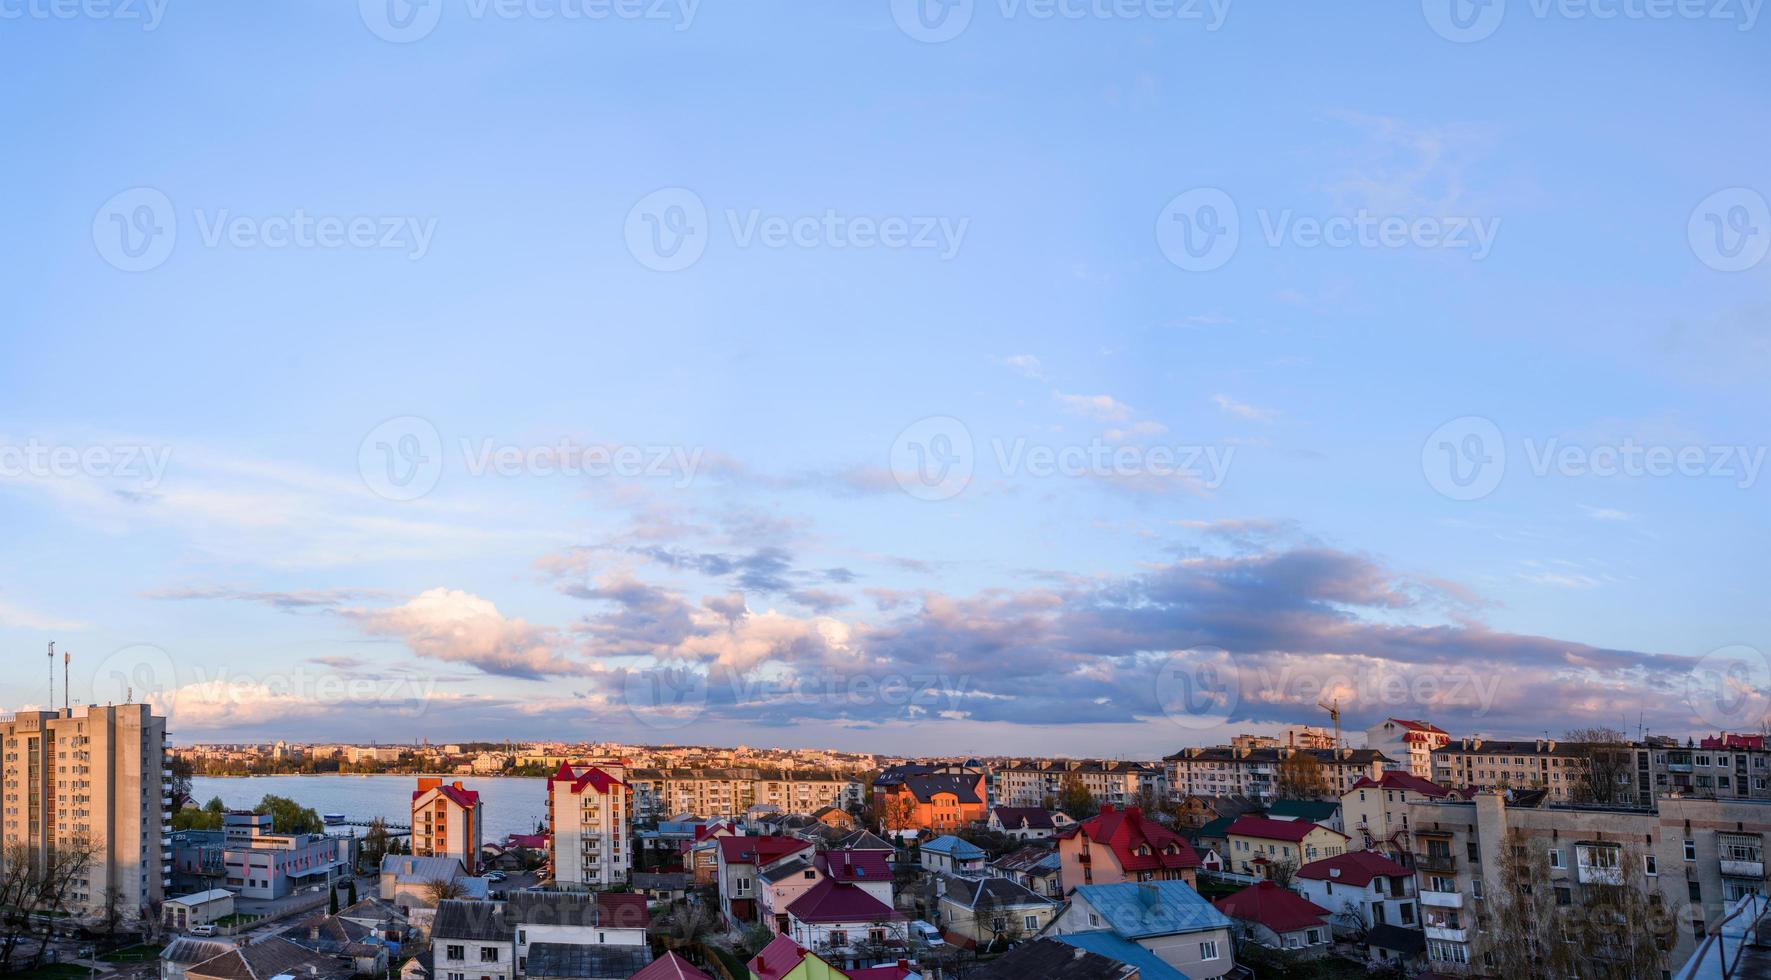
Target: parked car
{"x": 206, "y": 929}
{"x": 495, "y": 876}
{"x": 925, "y": 934}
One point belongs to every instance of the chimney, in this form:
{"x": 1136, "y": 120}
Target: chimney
{"x": 1134, "y": 811}
{"x": 1149, "y": 895}
{"x": 1077, "y": 952}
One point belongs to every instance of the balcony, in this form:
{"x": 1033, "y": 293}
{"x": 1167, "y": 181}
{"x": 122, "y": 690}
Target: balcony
{"x": 1442, "y": 900}
{"x": 1743, "y": 869}
{"x": 1448, "y": 935}
{"x": 1435, "y": 862}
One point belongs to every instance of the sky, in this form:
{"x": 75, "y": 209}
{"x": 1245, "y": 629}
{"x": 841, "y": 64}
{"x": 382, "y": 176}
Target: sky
{"x": 1006, "y": 376}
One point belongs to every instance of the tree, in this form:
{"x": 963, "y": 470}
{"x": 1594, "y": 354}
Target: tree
{"x": 181, "y": 777}
{"x": 1545, "y": 926}
{"x": 332, "y": 900}
{"x": 375, "y": 844}
{"x": 439, "y": 890}
{"x": 898, "y": 812}
{"x": 1300, "y": 777}
{"x": 208, "y": 818}
{"x": 1075, "y": 799}
{"x": 1281, "y": 872}
{"x": 351, "y": 894}
{"x": 42, "y": 883}
{"x": 288, "y": 816}
{"x": 1604, "y": 758}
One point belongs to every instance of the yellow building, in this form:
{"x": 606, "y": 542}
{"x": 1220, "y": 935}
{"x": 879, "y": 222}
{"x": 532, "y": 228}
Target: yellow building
{"x": 1261, "y": 846}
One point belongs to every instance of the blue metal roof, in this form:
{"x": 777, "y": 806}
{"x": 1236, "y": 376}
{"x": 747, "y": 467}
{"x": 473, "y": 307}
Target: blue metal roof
{"x": 1125, "y": 951}
{"x": 1135, "y": 910}
{"x": 954, "y": 848}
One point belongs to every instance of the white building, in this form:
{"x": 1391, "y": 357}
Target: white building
{"x": 590, "y": 810}
{"x": 1410, "y": 743}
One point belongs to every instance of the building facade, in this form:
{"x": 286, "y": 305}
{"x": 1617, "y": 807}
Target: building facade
{"x": 1228, "y": 770}
{"x": 729, "y": 793}
{"x": 1038, "y": 783}
{"x": 1411, "y": 743}
{"x": 446, "y": 821}
{"x": 590, "y": 811}
{"x": 97, "y": 774}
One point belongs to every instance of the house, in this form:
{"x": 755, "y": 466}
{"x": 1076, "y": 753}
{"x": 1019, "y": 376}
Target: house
{"x": 1105, "y": 943}
{"x": 702, "y": 855}
{"x": 1035, "y": 867}
{"x": 661, "y": 886}
{"x": 1266, "y": 848}
{"x": 446, "y": 821}
{"x": 837, "y": 818}
{"x": 1168, "y": 918}
{"x": 784, "y": 959}
{"x": 866, "y": 841}
{"x": 1123, "y": 845}
{"x": 1360, "y": 889}
{"x": 846, "y": 925}
{"x": 1376, "y": 810}
{"x": 1325, "y": 812}
{"x": 385, "y": 920}
{"x": 1279, "y": 919}
{"x": 1052, "y": 959}
{"x": 780, "y": 884}
{"x": 184, "y": 951}
{"x": 1029, "y": 823}
{"x": 952, "y": 855}
{"x": 988, "y": 913}
{"x": 1197, "y": 809}
{"x": 940, "y": 798}
{"x": 1409, "y": 741}
{"x": 344, "y": 939}
{"x": 670, "y": 967}
{"x": 570, "y": 961}
{"x": 870, "y": 871}
{"x": 590, "y": 811}
{"x": 406, "y": 881}
{"x": 198, "y": 909}
{"x": 267, "y": 958}
{"x": 741, "y": 860}
{"x": 471, "y": 940}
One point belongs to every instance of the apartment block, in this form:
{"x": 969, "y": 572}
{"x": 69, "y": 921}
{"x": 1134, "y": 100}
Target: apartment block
{"x": 446, "y": 821}
{"x": 728, "y": 793}
{"x": 1036, "y": 782}
{"x": 1691, "y": 855}
{"x": 1410, "y": 742}
{"x": 590, "y": 810}
{"x": 98, "y": 773}
{"x": 1227, "y": 770}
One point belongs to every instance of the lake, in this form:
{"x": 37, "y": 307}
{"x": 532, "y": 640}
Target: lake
{"x": 513, "y": 804}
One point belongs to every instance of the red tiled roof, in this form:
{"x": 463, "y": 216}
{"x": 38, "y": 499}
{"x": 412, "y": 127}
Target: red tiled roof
{"x": 836, "y": 901}
{"x": 462, "y": 797}
{"x": 856, "y": 865}
{"x": 708, "y": 830}
{"x": 1274, "y": 907}
{"x": 759, "y": 850}
{"x": 893, "y": 972}
{"x": 1031, "y": 817}
{"x": 626, "y": 910}
{"x": 1397, "y": 779}
{"x": 670, "y": 967}
{"x": 1126, "y": 832}
{"x": 1267, "y": 828}
{"x": 531, "y": 841}
{"x": 1419, "y": 726}
{"x": 593, "y": 777}
{"x": 1356, "y": 868}
{"x": 777, "y": 959}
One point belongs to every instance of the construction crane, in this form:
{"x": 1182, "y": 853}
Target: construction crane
{"x": 1334, "y": 711}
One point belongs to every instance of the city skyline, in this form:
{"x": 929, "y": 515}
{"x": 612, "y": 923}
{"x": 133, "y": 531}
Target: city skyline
{"x": 842, "y": 385}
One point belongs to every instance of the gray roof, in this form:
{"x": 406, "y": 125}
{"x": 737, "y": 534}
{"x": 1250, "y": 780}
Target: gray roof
{"x": 1049, "y": 959}
{"x": 497, "y": 921}
{"x": 265, "y": 959}
{"x": 586, "y": 962}
{"x": 406, "y": 867}
{"x": 187, "y": 950}
{"x": 990, "y": 892}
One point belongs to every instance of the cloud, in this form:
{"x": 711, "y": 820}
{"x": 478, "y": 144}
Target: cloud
{"x": 456, "y": 626}
{"x": 1607, "y": 513}
{"x": 1101, "y": 408}
{"x": 303, "y": 599}
{"x": 1244, "y": 410}
{"x": 1026, "y": 365}
{"x": 17, "y": 616}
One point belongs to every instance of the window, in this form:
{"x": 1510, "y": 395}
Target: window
{"x": 1694, "y": 891}
{"x": 1690, "y": 850}
{"x": 1030, "y": 923}
{"x": 457, "y": 952}
{"x": 1564, "y": 895}
{"x": 838, "y": 937}
{"x": 1555, "y": 857}
{"x": 1650, "y": 867}
{"x": 1094, "y": 920}
{"x": 1208, "y": 950}
{"x": 488, "y": 954}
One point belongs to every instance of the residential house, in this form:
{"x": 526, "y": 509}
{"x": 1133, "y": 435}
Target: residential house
{"x": 1279, "y": 919}
{"x": 837, "y": 818}
{"x": 780, "y": 884}
{"x": 952, "y": 855}
{"x": 1376, "y": 810}
{"x": 741, "y": 861}
{"x": 871, "y": 871}
{"x": 182, "y": 952}
{"x": 988, "y": 913}
{"x": 940, "y": 799}
{"x": 863, "y": 840}
{"x": 670, "y": 967}
{"x": 570, "y": 961}
{"x": 1265, "y": 847}
{"x": 407, "y": 882}
{"x": 1123, "y": 845}
{"x": 1196, "y": 810}
{"x": 1029, "y": 823}
{"x": 447, "y": 821}
{"x": 1324, "y": 812}
{"x": 1036, "y": 867}
{"x": 1053, "y": 959}
{"x": 1168, "y": 918}
{"x": 702, "y": 856}
{"x": 268, "y": 958}
{"x": 661, "y": 886}
{"x": 1360, "y": 889}
{"x": 847, "y": 925}
{"x": 1147, "y": 965}
{"x": 590, "y": 809}
{"x": 477, "y": 940}
{"x": 344, "y": 939}
{"x": 1411, "y": 743}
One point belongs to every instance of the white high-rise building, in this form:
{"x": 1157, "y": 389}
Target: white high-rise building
{"x": 98, "y": 773}
{"x": 590, "y": 810}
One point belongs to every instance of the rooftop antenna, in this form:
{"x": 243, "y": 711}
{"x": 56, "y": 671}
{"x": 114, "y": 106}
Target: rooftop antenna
{"x": 51, "y": 704}
{"x": 65, "y": 657}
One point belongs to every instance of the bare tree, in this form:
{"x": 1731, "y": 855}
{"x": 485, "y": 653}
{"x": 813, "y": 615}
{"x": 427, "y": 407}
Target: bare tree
{"x": 1281, "y": 872}
{"x": 1301, "y": 777}
{"x": 439, "y": 890}
{"x": 37, "y": 887}
{"x": 1604, "y": 758}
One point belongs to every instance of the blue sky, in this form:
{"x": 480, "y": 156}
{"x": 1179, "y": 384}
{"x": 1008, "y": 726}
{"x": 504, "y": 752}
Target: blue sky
{"x": 508, "y": 168}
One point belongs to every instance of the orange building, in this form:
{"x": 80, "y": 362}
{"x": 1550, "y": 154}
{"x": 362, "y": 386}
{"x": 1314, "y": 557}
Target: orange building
{"x": 446, "y": 821}
{"x": 936, "y": 798}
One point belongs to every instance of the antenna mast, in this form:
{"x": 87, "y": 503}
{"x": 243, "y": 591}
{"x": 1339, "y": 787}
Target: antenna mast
{"x": 65, "y": 657}
{"x": 51, "y": 704}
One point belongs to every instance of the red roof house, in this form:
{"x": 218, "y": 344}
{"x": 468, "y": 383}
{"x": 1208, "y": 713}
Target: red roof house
{"x": 1123, "y": 845}
{"x": 670, "y": 967}
{"x": 831, "y": 901}
{"x": 1279, "y": 918}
